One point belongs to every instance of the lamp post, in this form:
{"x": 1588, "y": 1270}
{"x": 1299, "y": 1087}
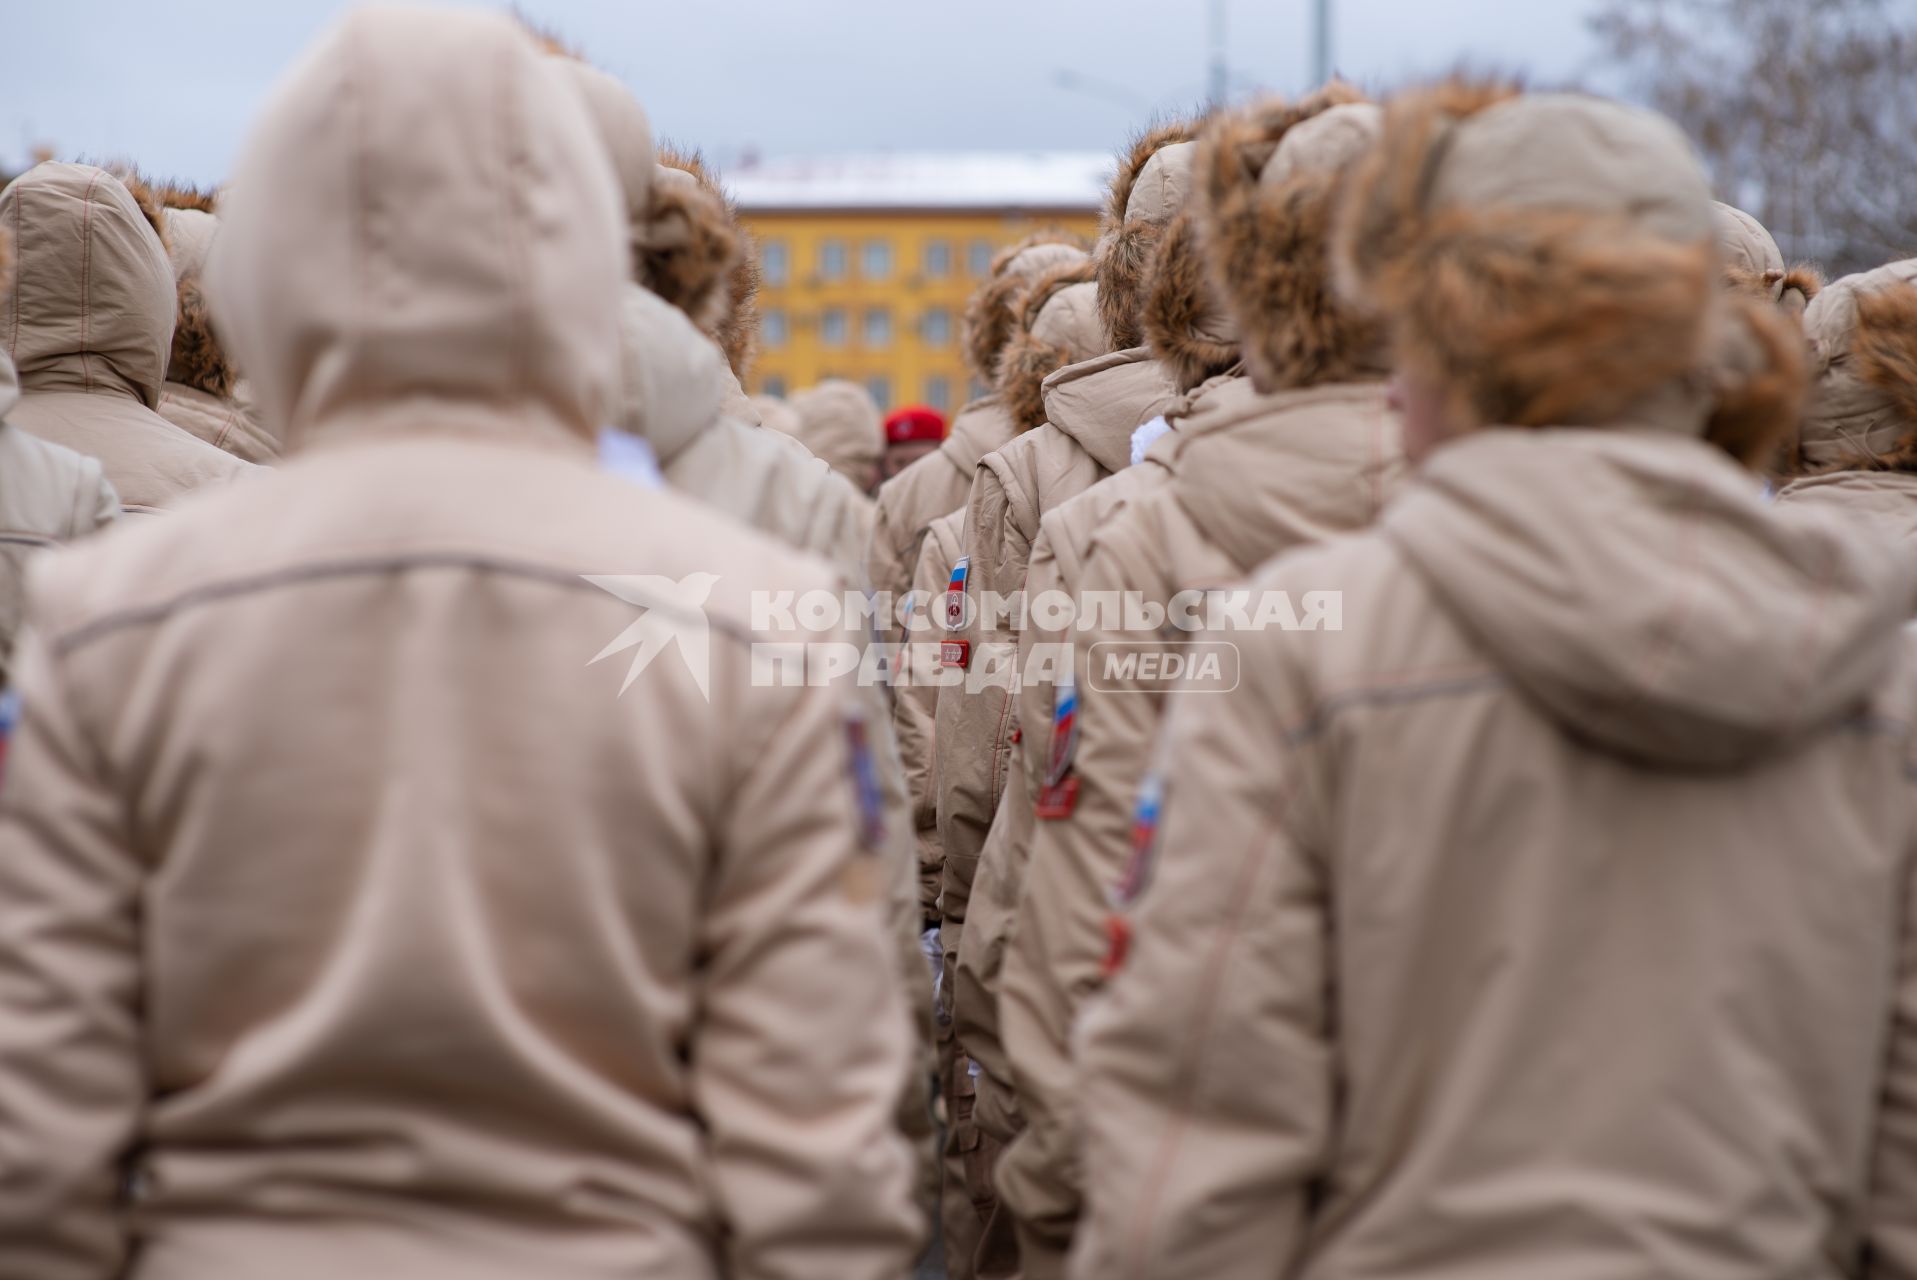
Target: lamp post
{"x": 1321, "y": 62}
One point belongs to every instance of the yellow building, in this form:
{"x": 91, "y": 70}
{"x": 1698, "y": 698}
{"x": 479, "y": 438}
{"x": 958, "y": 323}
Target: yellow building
{"x": 869, "y": 260}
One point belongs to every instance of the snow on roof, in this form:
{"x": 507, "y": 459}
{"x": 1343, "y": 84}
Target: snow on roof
{"x": 1050, "y": 180}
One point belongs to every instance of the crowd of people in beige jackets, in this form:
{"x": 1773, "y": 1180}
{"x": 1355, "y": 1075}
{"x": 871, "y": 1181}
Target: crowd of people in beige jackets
{"x": 1524, "y": 889}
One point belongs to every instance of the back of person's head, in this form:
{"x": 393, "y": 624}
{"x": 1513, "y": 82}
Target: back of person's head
{"x": 93, "y": 300}
{"x": 1057, "y": 323}
{"x": 1754, "y": 265}
{"x": 840, "y": 423}
{"x": 1861, "y": 413}
{"x": 1146, "y": 192}
{"x": 991, "y": 314}
{"x": 1262, "y": 204}
{"x": 424, "y": 231}
{"x": 1551, "y": 260}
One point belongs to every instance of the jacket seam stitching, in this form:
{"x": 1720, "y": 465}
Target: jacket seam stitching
{"x": 319, "y": 571}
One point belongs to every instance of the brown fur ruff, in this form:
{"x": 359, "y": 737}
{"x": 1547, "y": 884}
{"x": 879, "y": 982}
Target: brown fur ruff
{"x": 1125, "y": 247}
{"x": 1885, "y": 352}
{"x": 1268, "y": 251}
{"x": 1178, "y": 303}
{"x": 1524, "y": 317}
{"x": 1026, "y": 361}
{"x": 197, "y": 359}
{"x": 146, "y": 194}
{"x": 181, "y": 195}
{"x": 1756, "y": 414}
{"x": 991, "y": 312}
{"x": 704, "y": 262}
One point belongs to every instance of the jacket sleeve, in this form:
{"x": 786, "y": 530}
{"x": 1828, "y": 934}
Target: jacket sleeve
{"x": 800, "y": 1046}
{"x": 916, "y": 711}
{"x": 1057, "y": 945}
{"x": 975, "y": 720}
{"x": 1206, "y": 1063}
{"x": 1891, "y": 1232}
{"x": 72, "y": 1088}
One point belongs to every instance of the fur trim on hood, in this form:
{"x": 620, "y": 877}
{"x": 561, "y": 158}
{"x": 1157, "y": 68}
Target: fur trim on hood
{"x": 1523, "y": 316}
{"x": 1267, "y": 247}
{"x": 1791, "y": 290}
{"x": 1184, "y": 326}
{"x": 1026, "y": 360}
{"x": 147, "y": 194}
{"x": 1126, "y": 245}
{"x": 182, "y": 195}
{"x": 1885, "y": 352}
{"x": 1762, "y": 372}
{"x": 991, "y": 314}
{"x": 197, "y": 359}
{"x": 699, "y": 258}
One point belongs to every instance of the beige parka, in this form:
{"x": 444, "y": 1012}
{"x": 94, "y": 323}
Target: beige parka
{"x": 433, "y": 949}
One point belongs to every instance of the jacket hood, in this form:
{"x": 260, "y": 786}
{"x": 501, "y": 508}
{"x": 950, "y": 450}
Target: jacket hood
{"x": 93, "y": 296}
{"x": 673, "y": 378}
{"x": 1268, "y": 182}
{"x": 1257, "y": 471}
{"x": 423, "y": 234}
{"x": 1101, "y": 401}
{"x": 991, "y": 313}
{"x": 1145, "y": 195}
{"x": 1754, "y": 265}
{"x": 622, "y": 126}
{"x": 1056, "y": 325}
{"x": 700, "y": 258}
{"x": 840, "y": 423}
{"x": 197, "y": 359}
{"x": 1641, "y": 591}
{"x": 1862, "y": 409}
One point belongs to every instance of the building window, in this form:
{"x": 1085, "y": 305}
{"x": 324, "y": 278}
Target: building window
{"x": 878, "y": 327}
{"x": 773, "y": 262}
{"x": 772, "y": 327}
{"x": 875, "y": 260}
{"x": 832, "y": 259}
{"x": 978, "y": 258}
{"x": 880, "y": 388}
{"x": 832, "y": 327}
{"x": 772, "y": 385}
{"x": 938, "y": 392}
{"x": 938, "y": 259}
{"x": 935, "y": 327}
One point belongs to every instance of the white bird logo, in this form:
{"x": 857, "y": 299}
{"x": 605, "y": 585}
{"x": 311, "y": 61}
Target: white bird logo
{"x": 674, "y": 610}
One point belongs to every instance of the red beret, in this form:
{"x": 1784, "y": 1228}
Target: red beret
{"x": 914, "y": 422}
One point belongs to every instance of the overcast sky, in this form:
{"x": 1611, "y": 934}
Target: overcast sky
{"x": 172, "y": 85}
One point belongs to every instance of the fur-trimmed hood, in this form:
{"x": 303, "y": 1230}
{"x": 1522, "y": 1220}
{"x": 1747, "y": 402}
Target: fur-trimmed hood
{"x": 1754, "y": 265}
{"x": 1186, "y": 327}
{"x": 1056, "y": 324}
{"x": 991, "y": 314}
{"x": 1551, "y": 260}
{"x": 198, "y": 359}
{"x": 700, "y": 258}
{"x": 93, "y": 298}
{"x": 1861, "y": 414}
{"x": 1141, "y": 202}
{"x": 1267, "y": 186}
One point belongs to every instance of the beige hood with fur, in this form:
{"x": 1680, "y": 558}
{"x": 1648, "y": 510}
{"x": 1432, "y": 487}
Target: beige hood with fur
{"x": 90, "y": 330}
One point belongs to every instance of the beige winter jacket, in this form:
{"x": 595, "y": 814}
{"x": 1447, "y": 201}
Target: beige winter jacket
{"x": 90, "y": 328}
{"x": 1058, "y": 554}
{"x": 1552, "y": 917}
{"x": 426, "y": 951}
{"x": 672, "y": 391}
{"x": 1250, "y": 476}
{"x": 1092, "y": 409}
{"x": 1887, "y": 499}
{"x": 839, "y": 423}
{"x": 48, "y": 495}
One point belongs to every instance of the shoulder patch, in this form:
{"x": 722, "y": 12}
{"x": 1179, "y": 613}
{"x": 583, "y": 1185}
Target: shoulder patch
{"x": 1059, "y": 796}
{"x": 956, "y": 653}
{"x": 9, "y": 718}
